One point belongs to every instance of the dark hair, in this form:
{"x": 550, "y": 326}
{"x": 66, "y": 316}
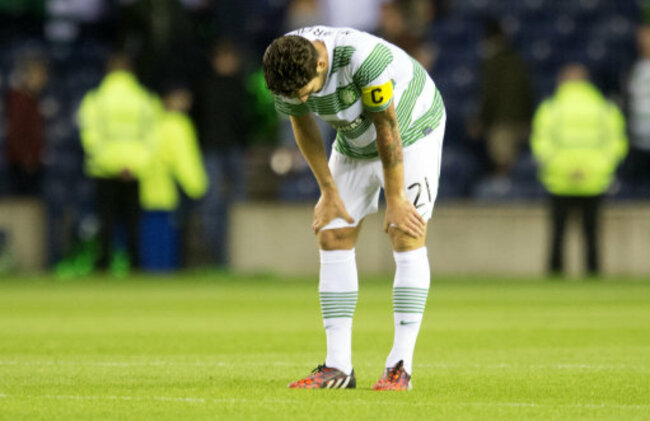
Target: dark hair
{"x": 289, "y": 63}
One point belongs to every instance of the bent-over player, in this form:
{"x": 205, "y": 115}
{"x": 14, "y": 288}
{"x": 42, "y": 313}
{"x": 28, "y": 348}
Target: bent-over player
{"x": 390, "y": 121}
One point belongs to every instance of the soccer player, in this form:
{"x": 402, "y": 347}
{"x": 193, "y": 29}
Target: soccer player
{"x": 390, "y": 121}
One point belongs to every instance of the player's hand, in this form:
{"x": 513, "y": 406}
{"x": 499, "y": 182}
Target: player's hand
{"x": 329, "y": 207}
{"x": 402, "y": 215}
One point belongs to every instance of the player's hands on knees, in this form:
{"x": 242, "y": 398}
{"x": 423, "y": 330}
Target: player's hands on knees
{"x": 329, "y": 207}
{"x": 402, "y": 215}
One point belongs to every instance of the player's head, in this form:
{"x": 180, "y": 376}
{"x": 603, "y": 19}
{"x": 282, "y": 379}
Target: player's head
{"x": 293, "y": 67}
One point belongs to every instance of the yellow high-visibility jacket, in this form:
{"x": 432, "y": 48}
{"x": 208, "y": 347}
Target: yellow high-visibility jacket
{"x": 118, "y": 121}
{"x": 176, "y": 158}
{"x": 578, "y": 140}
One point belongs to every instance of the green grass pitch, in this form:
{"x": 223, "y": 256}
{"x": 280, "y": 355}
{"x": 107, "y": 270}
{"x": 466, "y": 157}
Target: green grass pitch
{"x": 212, "y": 346}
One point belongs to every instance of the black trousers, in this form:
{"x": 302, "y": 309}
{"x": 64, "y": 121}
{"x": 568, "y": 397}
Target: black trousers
{"x": 24, "y": 182}
{"x": 588, "y": 207}
{"x": 118, "y": 201}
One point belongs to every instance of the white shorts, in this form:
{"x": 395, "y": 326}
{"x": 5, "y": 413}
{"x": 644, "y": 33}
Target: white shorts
{"x": 359, "y": 180}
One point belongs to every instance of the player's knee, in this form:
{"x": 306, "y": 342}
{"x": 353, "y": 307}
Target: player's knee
{"x": 337, "y": 239}
{"x": 404, "y": 242}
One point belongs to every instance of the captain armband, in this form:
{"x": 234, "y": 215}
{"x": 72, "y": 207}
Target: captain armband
{"x": 377, "y": 98}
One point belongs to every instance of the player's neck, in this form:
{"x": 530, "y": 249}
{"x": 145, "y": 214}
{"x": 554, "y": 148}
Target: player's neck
{"x": 323, "y": 57}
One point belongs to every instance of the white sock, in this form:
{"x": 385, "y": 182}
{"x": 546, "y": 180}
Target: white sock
{"x": 338, "y": 289}
{"x": 410, "y": 289}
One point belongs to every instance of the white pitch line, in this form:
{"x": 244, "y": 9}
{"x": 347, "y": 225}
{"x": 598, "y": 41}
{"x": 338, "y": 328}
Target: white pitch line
{"x": 340, "y": 401}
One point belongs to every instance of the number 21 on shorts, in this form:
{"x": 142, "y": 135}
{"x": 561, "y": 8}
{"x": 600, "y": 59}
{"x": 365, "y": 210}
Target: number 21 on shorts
{"x": 417, "y": 187}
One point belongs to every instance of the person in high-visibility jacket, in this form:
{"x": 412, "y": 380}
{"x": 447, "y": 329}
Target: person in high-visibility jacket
{"x": 117, "y": 122}
{"x": 578, "y": 140}
{"x": 176, "y": 160}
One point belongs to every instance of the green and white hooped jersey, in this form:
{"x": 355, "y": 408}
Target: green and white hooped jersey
{"x": 366, "y": 74}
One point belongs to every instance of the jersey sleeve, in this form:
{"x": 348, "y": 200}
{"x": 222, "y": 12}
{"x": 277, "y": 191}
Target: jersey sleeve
{"x": 373, "y": 76}
{"x": 290, "y": 106}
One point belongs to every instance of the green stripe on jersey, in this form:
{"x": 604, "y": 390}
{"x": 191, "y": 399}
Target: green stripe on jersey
{"x": 410, "y": 96}
{"x": 410, "y": 131}
{"x": 341, "y": 57}
{"x": 367, "y": 152}
{"x": 426, "y": 123}
{"x": 373, "y": 66}
{"x": 343, "y": 98}
{"x": 356, "y": 131}
{"x": 290, "y": 109}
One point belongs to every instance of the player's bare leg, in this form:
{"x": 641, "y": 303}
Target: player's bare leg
{"x": 410, "y": 290}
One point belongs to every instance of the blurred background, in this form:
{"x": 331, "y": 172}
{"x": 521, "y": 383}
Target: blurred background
{"x": 205, "y": 173}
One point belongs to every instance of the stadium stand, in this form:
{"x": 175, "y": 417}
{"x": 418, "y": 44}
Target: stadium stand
{"x": 547, "y": 33}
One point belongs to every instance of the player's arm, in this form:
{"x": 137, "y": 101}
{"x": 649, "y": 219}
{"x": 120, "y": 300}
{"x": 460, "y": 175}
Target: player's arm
{"x": 400, "y": 212}
{"x": 310, "y": 142}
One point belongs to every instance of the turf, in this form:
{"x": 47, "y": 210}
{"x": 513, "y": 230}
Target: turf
{"x": 210, "y": 346}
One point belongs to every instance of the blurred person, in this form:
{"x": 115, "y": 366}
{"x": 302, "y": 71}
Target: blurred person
{"x": 638, "y": 165}
{"x": 393, "y": 28}
{"x": 160, "y": 36}
{"x": 390, "y": 120}
{"x": 118, "y": 121}
{"x": 506, "y": 100}
{"x": 302, "y": 13}
{"x": 578, "y": 140}
{"x": 359, "y": 14}
{"x": 222, "y": 112}
{"x": 264, "y": 117}
{"x": 25, "y": 133}
{"x": 421, "y": 14}
{"x": 176, "y": 159}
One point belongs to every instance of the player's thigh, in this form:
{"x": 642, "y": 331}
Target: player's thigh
{"x": 339, "y": 238}
{"x": 422, "y": 171}
{"x": 421, "y": 174}
{"x": 358, "y": 187}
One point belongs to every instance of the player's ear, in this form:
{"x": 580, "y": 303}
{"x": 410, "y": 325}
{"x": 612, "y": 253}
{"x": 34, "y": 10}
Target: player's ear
{"x": 320, "y": 64}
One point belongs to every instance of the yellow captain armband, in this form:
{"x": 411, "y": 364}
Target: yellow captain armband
{"x": 377, "y": 98}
